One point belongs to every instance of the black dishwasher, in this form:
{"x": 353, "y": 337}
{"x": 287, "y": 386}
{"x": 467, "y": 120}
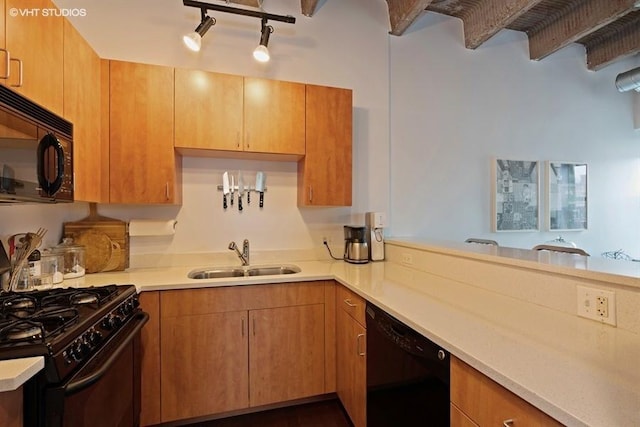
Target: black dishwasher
{"x": 407, "y": 375}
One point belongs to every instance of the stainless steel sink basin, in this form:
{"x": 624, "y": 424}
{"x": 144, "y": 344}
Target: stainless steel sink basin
{"x": 249, "y": 271}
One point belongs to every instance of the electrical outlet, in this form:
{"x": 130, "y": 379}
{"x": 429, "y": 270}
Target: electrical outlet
{"x": 597, "y": 304}
{"x": 407, "y": 259}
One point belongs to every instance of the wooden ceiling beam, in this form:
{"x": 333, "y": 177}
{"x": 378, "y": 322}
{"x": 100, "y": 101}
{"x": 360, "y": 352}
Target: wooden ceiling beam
{"x": 625, "y": 43}
{"x": 308, "y": 7}
{"x": 488, "y": 17}
{"x": 402, "y": 13}
{"x": 586, "y": 18}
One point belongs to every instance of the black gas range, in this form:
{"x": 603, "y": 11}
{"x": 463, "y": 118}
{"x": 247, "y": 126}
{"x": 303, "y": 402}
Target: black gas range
{"x": 89, "y": 338}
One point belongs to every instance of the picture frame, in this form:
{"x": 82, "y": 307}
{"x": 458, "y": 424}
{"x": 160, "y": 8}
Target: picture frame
{"x": 567, "y": 196}
{"x": 515, "y": 200}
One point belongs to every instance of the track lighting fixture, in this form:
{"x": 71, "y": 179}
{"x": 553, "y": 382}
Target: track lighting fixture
{"x": 194, "y": 40}
{"x": 261, "y": 53}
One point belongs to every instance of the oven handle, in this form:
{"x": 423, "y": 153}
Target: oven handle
{"x": 88, "y": 380}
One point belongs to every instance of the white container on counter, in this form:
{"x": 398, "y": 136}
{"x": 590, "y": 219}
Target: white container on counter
{"x": 74, "y": 258}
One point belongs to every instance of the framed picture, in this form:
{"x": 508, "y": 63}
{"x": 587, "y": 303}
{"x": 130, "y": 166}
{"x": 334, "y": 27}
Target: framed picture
{"x": 515, "y": 195}
{"x": 566, "y": 196}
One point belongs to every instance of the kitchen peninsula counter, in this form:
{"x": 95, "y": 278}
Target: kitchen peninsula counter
{"x": 578, "y": 371}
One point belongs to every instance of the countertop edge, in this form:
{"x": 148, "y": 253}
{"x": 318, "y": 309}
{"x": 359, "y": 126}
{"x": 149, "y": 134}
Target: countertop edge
{"x": 15, "y": 372}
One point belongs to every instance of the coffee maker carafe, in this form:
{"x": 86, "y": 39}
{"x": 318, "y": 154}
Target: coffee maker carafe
{"x": 356, "y": 250}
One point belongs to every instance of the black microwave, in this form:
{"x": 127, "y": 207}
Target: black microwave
{"x": 36, "y": 152}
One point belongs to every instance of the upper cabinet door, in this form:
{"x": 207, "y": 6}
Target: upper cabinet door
{"x": 208, "y": 110}
{"x": 324, "y": 175}
{"x": 143, "y": 165}
{"x": 36, "y": 41}
{"x": 82, "y": 106}
{"x": 274, "y": 115}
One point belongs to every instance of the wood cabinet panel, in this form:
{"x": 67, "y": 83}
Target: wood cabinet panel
{"x": 82, "y": 106}
{"x": 143, "y": 165}
{"x": 325, "y": 173}
{"x": 351, "y": 367}
{"x": 286, "y": 360}
{"x": 11, "y": 407}
{"x": 150, "y": 366}
{"x": 351, "y": 303}
{"x": 459, "y": 419}
{"x": 204, "y": 364}
{"x": 235, "y": 298}
{"x": 487, "y": 403}
{"x": 208, "y": 110}
{"x": 330, "y": 336}
{"x": 274, "y": 116}
{"x": 37, "y": 40}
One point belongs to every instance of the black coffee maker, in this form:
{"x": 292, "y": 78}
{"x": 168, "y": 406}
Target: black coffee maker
{"x": 356, "y": 250}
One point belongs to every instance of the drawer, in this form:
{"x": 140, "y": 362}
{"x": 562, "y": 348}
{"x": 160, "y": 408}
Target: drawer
{"x": 352, "y": 303}
{"x": 487, "y": 403}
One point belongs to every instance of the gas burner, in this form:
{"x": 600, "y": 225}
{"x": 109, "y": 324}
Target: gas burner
{"x": 19, "y": 303}
{"x": 22, "y": 330}
{"x": 84, "y": 298}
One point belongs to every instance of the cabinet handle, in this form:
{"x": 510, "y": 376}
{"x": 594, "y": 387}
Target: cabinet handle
{"x": 8, "y": 64}
{"x": 508, "y": 423}
{"x": 243, "y": 327}
{"x": 166, "y": 190}
{"x": 238, "y": 139}
{"x": 360, "y": 352}
{"x": 310, "y": 193}
{"x": 19, "y": 61}
{"x": 254, "y": 326}
{"x": 349, "y": 303}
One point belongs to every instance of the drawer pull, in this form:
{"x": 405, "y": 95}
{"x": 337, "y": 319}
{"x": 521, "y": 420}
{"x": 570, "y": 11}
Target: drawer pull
{"x": 508, "y": 423}
{"x": 349, "y": 303}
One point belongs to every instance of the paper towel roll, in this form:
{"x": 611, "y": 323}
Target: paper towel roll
{"x": 152, "y": 227}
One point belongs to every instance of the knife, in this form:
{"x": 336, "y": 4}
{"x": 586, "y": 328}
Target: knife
{"x": 260, "y": 181}
{"x": 225, "y": 188}
{"x": 240, "y": 190}
{"x": 233, "y": 184}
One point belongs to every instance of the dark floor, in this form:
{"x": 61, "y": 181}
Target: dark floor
{"x": 328, "y": 413}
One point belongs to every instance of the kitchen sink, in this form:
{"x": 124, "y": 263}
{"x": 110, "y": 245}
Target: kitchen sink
{"x": 249, "y": 271}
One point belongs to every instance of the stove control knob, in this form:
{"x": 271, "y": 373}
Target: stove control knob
{"x": 80, "y": 350}
{"x": 94, "y": 337}
{"x": 112, "y": 321}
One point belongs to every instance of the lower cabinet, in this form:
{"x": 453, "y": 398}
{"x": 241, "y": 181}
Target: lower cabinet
{"x": 351, "y": 362}
{"x": 231, "y": 348}
{"x": 11, "y": 406}
{"x": 476, "y": 400}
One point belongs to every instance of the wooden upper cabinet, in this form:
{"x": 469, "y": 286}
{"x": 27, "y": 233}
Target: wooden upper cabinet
{"x": 208, "y": 110}
{"x": 324, "y": 175}
{"x": 143, "y": 165}
{"x": 37, "y": 41}
{"x": 274, "y": 116}
{"x": 82, "y": 106}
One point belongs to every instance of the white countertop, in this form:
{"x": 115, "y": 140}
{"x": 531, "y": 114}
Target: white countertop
{"x": 581, "y": 372}
{"x": 15, "y": 372}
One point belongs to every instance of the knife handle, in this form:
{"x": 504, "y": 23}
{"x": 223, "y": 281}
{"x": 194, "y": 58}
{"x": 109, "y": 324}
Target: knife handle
{"x": 240, "y": 202}
{"x": 224, "y": 201}
{"x": 249, "y": 197}
{"x": 231, "y": 201}
{"x": 262, "y": 199}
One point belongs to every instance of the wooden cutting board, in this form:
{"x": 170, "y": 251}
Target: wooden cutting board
{"x": 92, "y": 230}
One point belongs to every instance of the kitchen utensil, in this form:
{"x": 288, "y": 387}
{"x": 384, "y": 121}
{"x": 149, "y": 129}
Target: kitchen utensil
{"x": 30, "y": 243}
{"x": 98, "y": 249}
{"x": 233, "y": 185}
{"x": 116, "y": 230}
{"x": 260, "y": 185}
{"x": 115, "y": 257}
{"x": 225, "y": 189}
{"x": 240, "y": 191}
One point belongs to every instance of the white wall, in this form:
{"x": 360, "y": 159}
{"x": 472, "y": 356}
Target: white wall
{"x": 453, "y": 109}
{"x": 345, "y": 44}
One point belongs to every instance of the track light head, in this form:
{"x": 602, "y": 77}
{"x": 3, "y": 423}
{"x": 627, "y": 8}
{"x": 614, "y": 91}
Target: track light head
{"x": 193, "y": 40}
{"x": 261, "y": 53}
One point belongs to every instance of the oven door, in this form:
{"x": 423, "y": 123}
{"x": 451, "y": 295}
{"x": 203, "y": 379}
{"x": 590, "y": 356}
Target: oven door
{"x": 106, "y": 390}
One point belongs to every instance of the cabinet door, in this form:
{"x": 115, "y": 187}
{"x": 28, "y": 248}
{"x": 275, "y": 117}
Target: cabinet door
{"x": 37, "y": 40}
{"x": 351, "y": 367}
{"x": 324, "y": 175}
{"x": 150, "y": 364}
{"x": 204, "y": 364}
{"x": 286, "y": 360}
{"x": 82, "y": 106}
{"x": 143, "y": 165}
{"x": 274, "y": 114}
{"x": 11, "y": 405}
{"x": 208, "y": 110}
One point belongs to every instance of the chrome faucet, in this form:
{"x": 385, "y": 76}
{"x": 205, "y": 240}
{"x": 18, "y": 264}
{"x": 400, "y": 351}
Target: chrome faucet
{"x": 244, "y": 255}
